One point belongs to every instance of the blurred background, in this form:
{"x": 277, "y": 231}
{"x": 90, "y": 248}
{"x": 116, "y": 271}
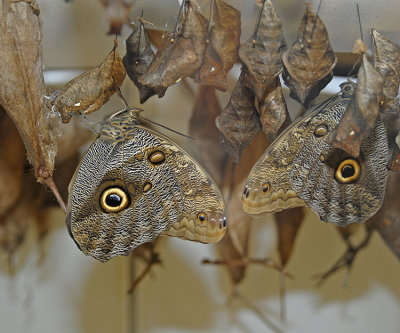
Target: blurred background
{"x": 53, "y": 287}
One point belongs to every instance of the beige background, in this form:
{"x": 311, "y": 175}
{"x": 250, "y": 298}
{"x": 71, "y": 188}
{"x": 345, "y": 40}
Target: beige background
{"x": 69, "y": 292}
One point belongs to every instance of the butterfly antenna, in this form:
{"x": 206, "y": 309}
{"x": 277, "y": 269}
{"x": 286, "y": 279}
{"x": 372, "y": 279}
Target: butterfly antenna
{"x": 170, "y": 129}
{"x": 258, "y": 24}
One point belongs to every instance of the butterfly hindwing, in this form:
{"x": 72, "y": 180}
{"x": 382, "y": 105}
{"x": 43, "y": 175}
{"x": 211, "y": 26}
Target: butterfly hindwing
{"x": 339, "y": 188}
{"x": 134, "y": 184}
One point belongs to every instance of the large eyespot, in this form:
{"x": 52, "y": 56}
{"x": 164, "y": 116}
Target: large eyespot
{"x": 320, "y": 130}
{"x": 113, "y": 200}
{"x": 265, "y": 188}
{"x": 156, "y": 157}
{"x": 202, "y": 217}
{"x": 348, "y": 171}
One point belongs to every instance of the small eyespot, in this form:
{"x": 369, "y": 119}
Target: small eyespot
{"x": 348, "y": 171}
{"x": 147, "y": 187}
{"x": 113, "y": 200}
{"x": 321, "y": 130}
{"x": 265, "y": 188}
{"x": 202, "y": 217}
{"x": 156, "y": 157}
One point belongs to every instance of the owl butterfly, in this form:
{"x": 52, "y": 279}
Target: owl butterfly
{"x": 134, "y": 184}
{"x": 302, "y": 168}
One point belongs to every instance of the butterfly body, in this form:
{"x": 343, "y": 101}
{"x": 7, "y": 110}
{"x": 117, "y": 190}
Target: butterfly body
{"x": 134, "y": 184}
{"x": 302, "y": 168}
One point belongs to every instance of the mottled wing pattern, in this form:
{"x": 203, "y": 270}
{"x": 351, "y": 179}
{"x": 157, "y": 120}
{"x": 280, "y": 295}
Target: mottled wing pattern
{"x": 167, "y": 193}
{"x": 302, "y": 167}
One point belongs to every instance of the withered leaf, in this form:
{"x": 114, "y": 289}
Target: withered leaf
{"x": 239, "y": 122}
{"x": 117, "y": 13}
{"x": 22, "y": 88}
{"x": 181, "y": 52}
{"x": 274, "y": 115}
{"x": 387, "y": 221}
{"x": 308, "y": 63}
{"x": 288, "y": 223}
{"x": 387, "y": 62}
{"x": 202, "y": 127}
{"x": 221, "y": 48}
{"x": 12, "y": 162}
{"x": 362, "y": 111}
{"x": 89, "y": 91}
{"x": 262, "y": 52}
{"x": 139, "y": 56}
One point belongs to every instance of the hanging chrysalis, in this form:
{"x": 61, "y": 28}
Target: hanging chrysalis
{"x": 261, "y": 56}
{"x": 91, "y": 90}
{"x": 139, "y": 56}
{"x": 221, "y": 48}
{"x": 308, "y": 63}
{"x": 238, "y": 123}
{"x": 362, "y": 111}
{"x": 387, "y": 62}
{"x": 181, "y": 52}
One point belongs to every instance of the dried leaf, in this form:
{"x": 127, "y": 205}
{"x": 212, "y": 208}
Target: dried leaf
{"x": 387, "y": 220}
{"x": 288, "y": 223}
{"x": 363, "y": 110}
{"x": 202, "y": 127}
{"x": 221, "y": 48}
{"x": 387, "y": 62}
{"x": 22, "y": 89}
{"x": 262, "y": 52}
{"x": 238, "y": 123}
{"x": 91, "y": 90}
{"x": 274, "y": 115}
{"x": 117, "y": 13}
{"x": 12, "y": 162}
{"x": 308, "y": 63}
{"x": 181, "y": 52}
{"x": 139, "y": 56}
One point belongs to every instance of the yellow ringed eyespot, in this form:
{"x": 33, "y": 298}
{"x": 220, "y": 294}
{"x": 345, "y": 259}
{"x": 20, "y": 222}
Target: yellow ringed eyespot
{"x": 265, "y": 188}
{"x": 202, "y": 217}
{"x": 113, "y": 200}
{"x": 348, "y": 171}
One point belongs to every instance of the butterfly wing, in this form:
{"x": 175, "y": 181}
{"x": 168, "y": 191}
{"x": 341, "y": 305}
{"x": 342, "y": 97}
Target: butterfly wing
{"x": 132, "y": 187}
{"x": 302, "y": 167}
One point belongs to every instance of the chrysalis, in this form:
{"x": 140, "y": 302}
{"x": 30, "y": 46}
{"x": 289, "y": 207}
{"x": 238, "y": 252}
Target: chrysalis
{"x": 91, "y": 90}
{"x": 139, "y": 56}
{"x": 181, "y": 52}
{"x": 387, "y": 62}
{"x": 308, "y": 63}
{"x": 238, "y": 123}
{"x": 362, "y": 110}
{"x": 221, "y": 48}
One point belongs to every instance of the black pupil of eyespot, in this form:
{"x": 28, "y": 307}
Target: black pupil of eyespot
{"x": 265, "y": 188}
{"x": 348, "y": 171}
{"x": 113, "y": 200}
{"x": 202, "y": 217}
